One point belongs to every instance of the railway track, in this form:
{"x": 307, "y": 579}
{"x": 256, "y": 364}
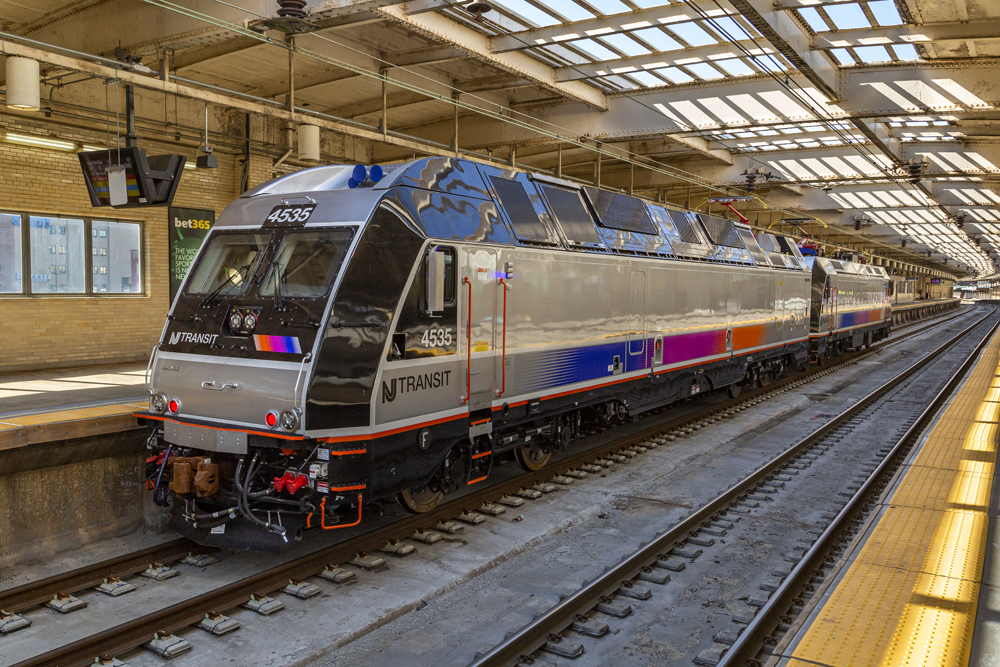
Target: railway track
{"x": 140, "y": 630}
{"x": 776, "y": 618}
{"x": 547, "y": 630}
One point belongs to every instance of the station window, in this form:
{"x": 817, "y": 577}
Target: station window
{"x": 123, "y": 240}
{"x": 31, "y": 265}
{"x": 11, "y": 265}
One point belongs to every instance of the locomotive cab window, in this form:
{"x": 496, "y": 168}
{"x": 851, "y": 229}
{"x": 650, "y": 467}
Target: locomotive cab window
{"x": 428, "y": 320}
{"x": 307, "y": 263}
{"x": 228, "y": 263}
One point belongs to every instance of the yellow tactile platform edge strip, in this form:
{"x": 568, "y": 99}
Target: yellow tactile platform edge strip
{"x": 13, "y": 422}
{"x": 909, "y": 597}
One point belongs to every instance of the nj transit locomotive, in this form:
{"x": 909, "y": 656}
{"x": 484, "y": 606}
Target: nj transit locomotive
{"x": 336, "y": 344}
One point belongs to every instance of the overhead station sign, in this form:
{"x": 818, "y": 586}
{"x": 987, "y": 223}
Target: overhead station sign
{"x": 149, "y": 180}
{"x": 188, "y": 229}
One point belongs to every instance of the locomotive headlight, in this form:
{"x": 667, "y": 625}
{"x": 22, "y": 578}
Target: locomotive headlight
{"x": 289, "y": 420}
{"x": 158, "y": 403}
{"x": 271, "y": 419}
{"x": 174, "y": 406}
{"x": 235, "y": 320}
{"x": 250, "y": 321}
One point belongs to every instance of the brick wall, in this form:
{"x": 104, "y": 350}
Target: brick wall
{"x": 58, "y": 331}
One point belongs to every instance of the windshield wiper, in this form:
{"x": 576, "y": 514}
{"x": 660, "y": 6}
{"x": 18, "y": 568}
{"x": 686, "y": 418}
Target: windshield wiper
{"x": 279, "y": 302}
{"x": 207, "y": 301}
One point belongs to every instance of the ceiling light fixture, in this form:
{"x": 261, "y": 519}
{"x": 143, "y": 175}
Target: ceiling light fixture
{"x": 40, "y": 142}
{"x": 23, "y": 84}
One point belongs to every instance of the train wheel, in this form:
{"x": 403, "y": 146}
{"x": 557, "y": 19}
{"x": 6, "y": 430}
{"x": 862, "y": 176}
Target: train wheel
{"x": 532, "y": 458}
{"x": 735, "y": 389}
{"x": 420, "y": 499}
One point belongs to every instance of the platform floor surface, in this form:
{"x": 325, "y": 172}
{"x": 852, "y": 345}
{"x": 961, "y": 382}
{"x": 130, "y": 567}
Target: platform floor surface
{"x": 32, "y": 392}
{"x": 909, "y": 593}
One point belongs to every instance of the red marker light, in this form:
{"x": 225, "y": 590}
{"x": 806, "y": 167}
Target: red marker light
{"x": 271, "y": 419}
{"x": 174, "y": 406}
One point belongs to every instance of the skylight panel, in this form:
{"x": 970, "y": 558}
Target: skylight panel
{"x": 847, "y": 16}
{"x": 843, "y": 56}
{"x": 727, "y": 28}
{"x": 769, "y": 63}
{"x": 694, "y": 114}
{"x": 885, "y": 12}
{"x": 692, "y": 34}
{"x": 626, "y": 44}
{"x": 788, "y": 107}
{"x": 735, "y": 67}
{"x": 649, "y": 4}
{"x": 675, "y": 75}
{"x": 839, "y": 166}
{"x": 872, "y": 54}
{"x": 750, "y": 106}
{"x": 728, "y": 115}
{"x": 608, "y": 7}
{"x": 905, "y": 51}
{"x": 620, "y": 82}
{"x": 647, "y": 79}
{"x": 814, "y": 20}
{"x": 530, "y": 12}
{"x": 569, "y": 9}
{"x": 705, "y": 71}
{"x": 595, "y": 50}
{"x": 658, "y": 39}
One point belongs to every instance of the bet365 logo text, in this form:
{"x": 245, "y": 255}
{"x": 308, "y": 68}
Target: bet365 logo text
{"x": 191, "y": 224}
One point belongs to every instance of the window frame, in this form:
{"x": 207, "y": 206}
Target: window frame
{"x": 88, "y": 250}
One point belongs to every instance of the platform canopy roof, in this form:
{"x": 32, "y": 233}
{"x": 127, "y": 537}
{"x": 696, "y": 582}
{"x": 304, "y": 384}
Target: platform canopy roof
{"x": 872, "y": 124}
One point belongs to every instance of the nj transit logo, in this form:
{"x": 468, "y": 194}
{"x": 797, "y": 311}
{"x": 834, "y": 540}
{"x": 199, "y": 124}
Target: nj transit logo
{"x": 411, "y": 383}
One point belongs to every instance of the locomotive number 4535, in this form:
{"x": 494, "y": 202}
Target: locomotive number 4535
{"x": 436, "y": 338}
{"x": 295, "y": 214}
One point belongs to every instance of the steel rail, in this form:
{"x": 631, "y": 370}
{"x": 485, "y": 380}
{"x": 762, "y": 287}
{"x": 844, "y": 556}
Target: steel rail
{"x": 764, "y": 624}
{"x": 36, "y": 593}
{"x": 536, "y": 633}
{"x": 138, "y": 631}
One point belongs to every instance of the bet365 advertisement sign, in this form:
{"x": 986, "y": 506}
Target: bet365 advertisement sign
{"x": 188, "y": 228}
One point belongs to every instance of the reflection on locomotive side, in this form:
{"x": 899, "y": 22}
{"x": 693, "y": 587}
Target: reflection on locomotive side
{"x": 391, "y": 341}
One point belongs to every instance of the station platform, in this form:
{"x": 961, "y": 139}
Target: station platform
{"x": 922, "y": 584}
{"x": 918, "y": 310}
{"x": 50, "y": 405}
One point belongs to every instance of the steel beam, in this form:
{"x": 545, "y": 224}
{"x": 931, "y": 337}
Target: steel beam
{"x": 228, "y": 99}
{"x": 908, "y": 34}
{"x": 653, "y": 61}
{"x": 428, "y": 55}
{"x": 866, "y": 93}
{"x": 840, "y": 165}
{"x": 393, "y": 101}
{"x": 792, "y": 41}
{"x": 305, "y": 82}
{"x": 421, "y": 6}
{"x": 204, "y": 54}
{"x": 604, "y": 25}
{"x": 443, "y": 29}
{"x": 494, "y": 82}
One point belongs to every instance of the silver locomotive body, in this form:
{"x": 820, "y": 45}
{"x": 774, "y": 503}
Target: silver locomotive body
{"x": 850, "y": 305}
{"x": 408, "y": 332}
